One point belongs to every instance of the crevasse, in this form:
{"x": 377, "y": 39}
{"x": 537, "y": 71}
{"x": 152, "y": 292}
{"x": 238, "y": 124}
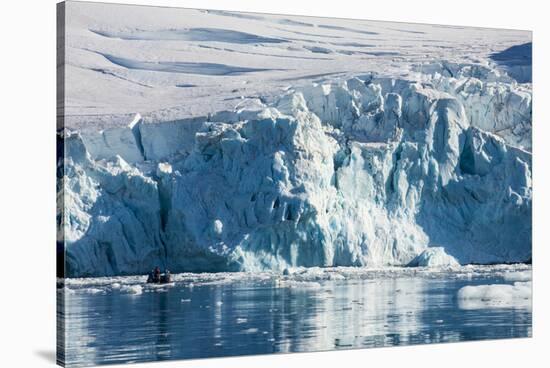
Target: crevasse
{"x": 370, "y": 171}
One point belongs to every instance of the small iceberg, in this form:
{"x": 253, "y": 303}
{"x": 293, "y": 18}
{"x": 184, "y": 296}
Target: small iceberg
{"x": 517, "y": 295}
{"x": 131, "y": 289}
{"x": 434, "y": 257}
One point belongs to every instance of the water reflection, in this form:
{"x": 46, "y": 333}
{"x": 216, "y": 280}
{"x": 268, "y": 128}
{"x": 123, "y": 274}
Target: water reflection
{"x": 258, "y": 317}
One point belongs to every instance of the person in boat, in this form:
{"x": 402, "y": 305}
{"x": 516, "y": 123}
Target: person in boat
{"x": 156, "y": 275}
{"x": 166, "y": 277}
{"x": 151, "y": 276}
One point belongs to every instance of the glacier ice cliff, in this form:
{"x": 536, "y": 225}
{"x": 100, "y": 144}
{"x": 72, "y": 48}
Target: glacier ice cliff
{"x": 371, "y": 171}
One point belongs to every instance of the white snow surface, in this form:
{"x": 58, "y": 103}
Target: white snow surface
{"x": 317, "y": 142}
{"x": 169, "y": 63}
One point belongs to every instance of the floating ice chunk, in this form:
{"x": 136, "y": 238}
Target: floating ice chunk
{"x": 517, "y": 295}
{"x": 299, "y": 284}
{"x": 160, "y": 287}
{"x": 336, "y": 276}
{"x": 94, "y": 291}
{"x": 434, "y": 257}
{"x": 518, "y": 276}
{"x": 132, "y": 289}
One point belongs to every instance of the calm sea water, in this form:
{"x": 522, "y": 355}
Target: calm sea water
{"x": 258, "y": 317}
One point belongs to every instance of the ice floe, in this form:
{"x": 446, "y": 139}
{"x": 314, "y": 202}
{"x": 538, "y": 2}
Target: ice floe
{"x": 517, "y": 295}
{"x": 301, "y": 278}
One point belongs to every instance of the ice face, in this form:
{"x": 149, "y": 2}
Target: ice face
{"x": 369, "y": 171}
{"x": 493, "y": 100}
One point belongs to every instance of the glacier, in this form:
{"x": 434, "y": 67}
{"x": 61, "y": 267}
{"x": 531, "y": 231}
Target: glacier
{"x": 432, "y": 170}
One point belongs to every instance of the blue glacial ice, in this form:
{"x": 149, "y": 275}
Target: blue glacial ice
{"x": 369, "y": 171}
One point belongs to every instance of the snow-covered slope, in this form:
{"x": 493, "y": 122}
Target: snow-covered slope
{"x": 173, "y": 63}
{"x": 400, "y": 160}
